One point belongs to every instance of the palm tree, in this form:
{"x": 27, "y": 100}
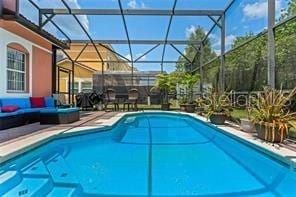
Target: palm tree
{"x": 189, "y": 81}
{"x": 165, "y": 83}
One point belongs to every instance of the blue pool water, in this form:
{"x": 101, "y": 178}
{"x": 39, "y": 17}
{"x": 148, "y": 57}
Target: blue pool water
{"x": 147, "y": 155}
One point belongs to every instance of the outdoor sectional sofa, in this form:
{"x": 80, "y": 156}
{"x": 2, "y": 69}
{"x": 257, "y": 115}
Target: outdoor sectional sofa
{"x": 26, "y": 114}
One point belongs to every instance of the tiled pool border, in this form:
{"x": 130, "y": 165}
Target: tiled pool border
{"x": 18, "y": 147}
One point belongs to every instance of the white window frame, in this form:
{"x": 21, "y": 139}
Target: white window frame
{"x": 82, "y": 82}
{"x": 16, "y": 71}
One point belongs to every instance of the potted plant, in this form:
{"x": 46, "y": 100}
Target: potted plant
{"x": 246, "y": 124}
{"x": 217, "y": 107}
{"x": 188, "y": 81}
{"x": 166, "y": 84}
{"x": 199, "y": 105}
{"x": 271, "y": 117}
{"x": 182, "y": 103}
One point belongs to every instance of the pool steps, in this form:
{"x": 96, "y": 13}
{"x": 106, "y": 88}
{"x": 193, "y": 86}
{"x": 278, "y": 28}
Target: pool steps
{"x": 63, "y": 191}
{"x": 60, "y": 173}
{"x": 8, "y": 180}
{"x": 51, "y": 177}
{"x": 34, "y": 187}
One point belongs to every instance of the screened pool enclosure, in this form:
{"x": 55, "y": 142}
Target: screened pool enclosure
{"x": 239, "y": 45}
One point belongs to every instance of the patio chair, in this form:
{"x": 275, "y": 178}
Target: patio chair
{"x": 110, "y": 98}
{"x": 60, "y": 101}
{"x": 133, "y": 96}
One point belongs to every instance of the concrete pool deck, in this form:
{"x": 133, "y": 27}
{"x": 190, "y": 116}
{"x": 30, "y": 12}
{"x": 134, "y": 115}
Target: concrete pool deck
{"x": 16, "y": 141}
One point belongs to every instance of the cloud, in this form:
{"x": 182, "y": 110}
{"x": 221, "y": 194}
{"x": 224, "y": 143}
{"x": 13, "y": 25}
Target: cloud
{"x": 142, "y": 58}
{"x": 229, "y": 40}
{"x": 133, "y": 4}
{"x": 64, "y": 22}
{"x": 128, "y": 56}
{"x": 258, "y": 10}
{"x": 190, "y": 30}
{"x": 216, "y": 41}
{"x": 143, "y": 5}
{"x": 217, "y": 51}
{"x": 82, "y": 18}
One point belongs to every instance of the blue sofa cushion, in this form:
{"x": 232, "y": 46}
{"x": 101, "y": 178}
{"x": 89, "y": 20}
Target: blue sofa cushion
{"x": 21, "y": 102}
{"x": 59, "y": 110}
{"x": 49, "y": 102}
{"x": 32, "y": 110}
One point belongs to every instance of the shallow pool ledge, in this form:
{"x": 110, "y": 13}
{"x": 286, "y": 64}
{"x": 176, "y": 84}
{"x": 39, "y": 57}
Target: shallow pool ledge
{"x": 24, "y": 144}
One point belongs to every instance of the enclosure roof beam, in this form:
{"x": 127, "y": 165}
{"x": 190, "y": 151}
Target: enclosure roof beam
{"x": 80, "y": 53}
{"x": 132, "y": 12}
{"x": 148, "y": 42}
{"x": 210, "y": 31}
{"x": 84, "y": 30}
{"x": 167, "y": 33}
{"x": 147, "y": 52}
{"x": 126, "y": 32}
{"x": 54, "y": 24}
{"x": 184, "y": 56}
{"x": 215, "y": 21}
{"x": 140, "y": 62}
{"x": 48, "y": 18}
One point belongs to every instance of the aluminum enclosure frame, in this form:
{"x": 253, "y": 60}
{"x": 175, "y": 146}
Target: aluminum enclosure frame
{"x": 47, "y": 15}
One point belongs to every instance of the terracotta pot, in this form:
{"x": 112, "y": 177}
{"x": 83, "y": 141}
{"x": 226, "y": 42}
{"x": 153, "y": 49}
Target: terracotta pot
{"x": 267, "y": 133}
{"x": 183, "y": 107}
{"x": 200, "y": 109}
{"x": 190, "y": 108}
{"x": 247, "y": 126}
{"x": 218, "y": 119}
{"x": 165, "y": 106}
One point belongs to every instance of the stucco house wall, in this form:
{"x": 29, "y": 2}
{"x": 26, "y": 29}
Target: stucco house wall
{"x": 39, "y": 70}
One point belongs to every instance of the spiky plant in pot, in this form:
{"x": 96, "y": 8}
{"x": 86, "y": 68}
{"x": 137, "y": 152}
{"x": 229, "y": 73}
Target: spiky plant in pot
{"x": 270, "y": 115}
{"x": 217, "y": 106}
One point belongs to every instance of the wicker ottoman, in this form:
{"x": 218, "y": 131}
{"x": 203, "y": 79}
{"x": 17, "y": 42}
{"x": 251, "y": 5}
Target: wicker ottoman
{"x": 59, "y": 116}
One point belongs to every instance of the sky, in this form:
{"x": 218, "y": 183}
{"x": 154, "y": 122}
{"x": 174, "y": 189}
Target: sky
{"x": 244, "y": 16}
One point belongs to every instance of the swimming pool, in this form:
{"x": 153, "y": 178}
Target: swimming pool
{"x": 147, "y": 155}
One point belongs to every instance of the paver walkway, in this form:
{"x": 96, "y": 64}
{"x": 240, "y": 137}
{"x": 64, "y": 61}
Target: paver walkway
{"x": 87, "y": 119}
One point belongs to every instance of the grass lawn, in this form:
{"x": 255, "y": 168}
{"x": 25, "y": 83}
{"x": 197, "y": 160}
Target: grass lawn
{"x": 239, "y": 113}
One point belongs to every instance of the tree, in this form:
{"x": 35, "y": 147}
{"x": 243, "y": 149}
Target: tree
{"x": 286, "y": 49}
{"x": 166, "y": 83}
{"x": 190, "y": 51}
{"x": 246, "y": 65}
{"x": 292, "y": 7}
{"x": 189, "y": 81}
{"x": 245, "y": 68}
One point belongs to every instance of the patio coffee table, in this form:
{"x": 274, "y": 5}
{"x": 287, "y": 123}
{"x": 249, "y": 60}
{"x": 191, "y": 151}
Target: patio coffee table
{"x": 59, "y": 115}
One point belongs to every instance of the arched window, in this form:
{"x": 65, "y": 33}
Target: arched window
{"x": 17, "y": 68}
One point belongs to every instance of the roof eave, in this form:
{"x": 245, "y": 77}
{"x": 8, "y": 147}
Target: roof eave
{"x": 31, "y": 26}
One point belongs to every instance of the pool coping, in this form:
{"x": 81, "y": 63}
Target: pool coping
{"x": 18, "y": 147}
